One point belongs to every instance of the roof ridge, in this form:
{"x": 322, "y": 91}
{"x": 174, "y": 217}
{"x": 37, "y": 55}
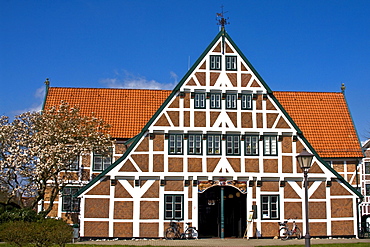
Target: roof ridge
{"x": 278, "y": 91}
{"x": 97, "y": 88}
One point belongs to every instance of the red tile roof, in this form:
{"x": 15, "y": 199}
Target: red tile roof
{"x": 325, "y": 121}
{"x": 126, "y": 110}
{"x": 323, "y": 117}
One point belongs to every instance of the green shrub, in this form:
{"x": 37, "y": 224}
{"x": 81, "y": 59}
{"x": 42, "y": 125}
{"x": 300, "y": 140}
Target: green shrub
{"x": 17, "y": 233}
{"x": 43, "y": 233}
{"x": 16, "y": 214}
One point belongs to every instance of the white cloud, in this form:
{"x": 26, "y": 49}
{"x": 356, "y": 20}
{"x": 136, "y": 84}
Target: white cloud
{"x": 129, "y": 80}
{"x": 39, "y": 97}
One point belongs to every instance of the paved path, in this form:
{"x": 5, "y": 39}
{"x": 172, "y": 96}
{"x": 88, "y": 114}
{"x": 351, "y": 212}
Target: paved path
{"x": 223, "y": 242}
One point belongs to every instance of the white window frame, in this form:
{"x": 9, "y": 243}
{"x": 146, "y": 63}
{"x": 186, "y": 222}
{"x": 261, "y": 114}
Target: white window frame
{"x": 251, "y": 145}
{"x": 270, "y": 207}
{"x": 213, "y": 144}
{"x": 246, "y": 101}
{"x": 231, "y": 100}
{"x": 175, "y": 143}
{"x": 215, "y": 62}
{"x": 270, "y": 145}
{"x": 231, "y": 62}
{"x": 195, "y": 144}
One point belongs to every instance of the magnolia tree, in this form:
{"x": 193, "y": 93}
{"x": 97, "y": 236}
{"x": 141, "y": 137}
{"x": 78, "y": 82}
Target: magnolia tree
{"x": 37, "y": 150}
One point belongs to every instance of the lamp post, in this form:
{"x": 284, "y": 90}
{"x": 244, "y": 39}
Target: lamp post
{"x": 304, "y": 160}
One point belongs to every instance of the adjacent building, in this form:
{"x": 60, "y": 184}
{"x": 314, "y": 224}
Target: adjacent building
{"x": 220, "y": 145}
{"x": 365, "y": 188}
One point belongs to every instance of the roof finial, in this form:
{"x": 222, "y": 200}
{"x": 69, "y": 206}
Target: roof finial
{"x": 221, "y": 18}
{"x": 343, "y": 87}
{"x": 47, "y": 82}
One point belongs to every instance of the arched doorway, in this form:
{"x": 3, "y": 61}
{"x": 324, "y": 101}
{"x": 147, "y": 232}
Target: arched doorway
{"x": 210, "y": 212}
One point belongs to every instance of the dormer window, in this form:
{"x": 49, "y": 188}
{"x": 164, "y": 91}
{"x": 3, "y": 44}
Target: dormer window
{"x": 231, "y": 63}
{"x": 215, "y": 62}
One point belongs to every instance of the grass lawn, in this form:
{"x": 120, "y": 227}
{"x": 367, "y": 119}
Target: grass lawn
{"x": 315, "y": 245}
{"x": 325, "y": 245}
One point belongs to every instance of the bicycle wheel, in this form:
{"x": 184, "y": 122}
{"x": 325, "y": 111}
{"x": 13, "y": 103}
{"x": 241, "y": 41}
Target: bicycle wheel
{"x": 298, "y": 233}
{"x": 191, "y": 233}
{"x": 284, "y": 233}
{"x": 170, "y": 233}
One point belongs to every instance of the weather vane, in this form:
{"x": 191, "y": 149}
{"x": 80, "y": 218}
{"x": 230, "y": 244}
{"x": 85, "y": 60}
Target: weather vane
{"x": 221, "y": 18}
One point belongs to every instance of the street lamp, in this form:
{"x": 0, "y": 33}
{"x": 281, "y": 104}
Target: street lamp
{"x": 304, "y": 160}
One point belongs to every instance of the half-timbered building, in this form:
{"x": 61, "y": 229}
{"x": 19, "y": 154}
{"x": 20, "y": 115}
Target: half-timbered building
{"x": 219, "y": 150}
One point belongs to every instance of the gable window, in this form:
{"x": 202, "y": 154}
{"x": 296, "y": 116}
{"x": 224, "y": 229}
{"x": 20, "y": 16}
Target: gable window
{"x": 195, "y": 144}
{"x": 231, "y": 63}
{"x": 367, "y": 167}
{"x": 174, "y": 207}
{"x": 251, "y": 145}
{"x": 367, "y": 189}
{"x": 215, "y": 101}
{"x": 246, "y": 101}
{"x": 213, "y": 144}
{"x": 233, "y": 145}
{"x": 199, "y": 100}
{"x": 269, "y": 145}
{"x": 101, "y": 162}
{"x": 215, "y": 62}
{"x": 270, "y": 207}
{"x": 175, "y": 143}
{"x": 70, "y": 203}
{"x": 231, "y": 101}
{"x": 74, "y": 166}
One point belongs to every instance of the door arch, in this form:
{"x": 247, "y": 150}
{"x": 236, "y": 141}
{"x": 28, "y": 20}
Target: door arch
{"x": 234, "y": 211}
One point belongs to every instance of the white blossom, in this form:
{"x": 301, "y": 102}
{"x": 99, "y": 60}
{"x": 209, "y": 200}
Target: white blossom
{"x": 37, "y": 147}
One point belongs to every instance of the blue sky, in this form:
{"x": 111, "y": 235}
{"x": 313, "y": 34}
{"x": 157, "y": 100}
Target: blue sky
{"x": 294, "y": 45}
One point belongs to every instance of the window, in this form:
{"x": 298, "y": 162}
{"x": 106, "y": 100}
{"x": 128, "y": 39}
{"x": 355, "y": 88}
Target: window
{"x": 251, "y": 145}
{"x": 367, "y": 189}
{"x": 195, "y": 144}
{"x": 233, "y": 145}
{"x": 199, "y": 100}
{"x": 367, "y": 167}
{"x": 174, "y": 205}
{"x": 270, "y": 145}
{"x": 74, "y": 166}
{"x": 231, "y": 101}
{"x": 246, "y": 101}
{"x": 175, "y": 143}
{"x": 213, "y": 144}
{"x": 270, "y": 207}
{"x": 230, "y": 62}
{"x": 70, "y": 203}
{"x": 215, "y": 101}
{"x": 215, "y": 62}
{"x": 101, "y": 162}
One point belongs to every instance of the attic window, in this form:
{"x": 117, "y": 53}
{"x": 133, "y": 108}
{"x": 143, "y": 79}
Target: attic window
{"x": 215, "y": 62}
{"x": 231, "y": 63}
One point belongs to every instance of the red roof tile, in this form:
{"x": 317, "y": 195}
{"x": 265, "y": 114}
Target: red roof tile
{"x": 325, "y": 121}
{"x": 323, "y": 117}
{"x": 126, "y": 110}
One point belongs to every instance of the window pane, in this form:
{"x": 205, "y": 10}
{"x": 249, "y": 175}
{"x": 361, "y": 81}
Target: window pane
{"x": 173, "y": 207}
{"x": 367, "y": 167}
{"x": 273, "y": 145}
{"x": 367, "y": 188}
{"x": 267, "y": 145}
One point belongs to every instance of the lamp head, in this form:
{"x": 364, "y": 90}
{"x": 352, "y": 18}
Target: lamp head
{"x": 305, "y": 159}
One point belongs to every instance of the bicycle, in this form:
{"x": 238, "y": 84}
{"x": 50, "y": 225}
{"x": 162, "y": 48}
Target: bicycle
{"x": 173, "y": 232}
{"x": 285, "y": 233}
